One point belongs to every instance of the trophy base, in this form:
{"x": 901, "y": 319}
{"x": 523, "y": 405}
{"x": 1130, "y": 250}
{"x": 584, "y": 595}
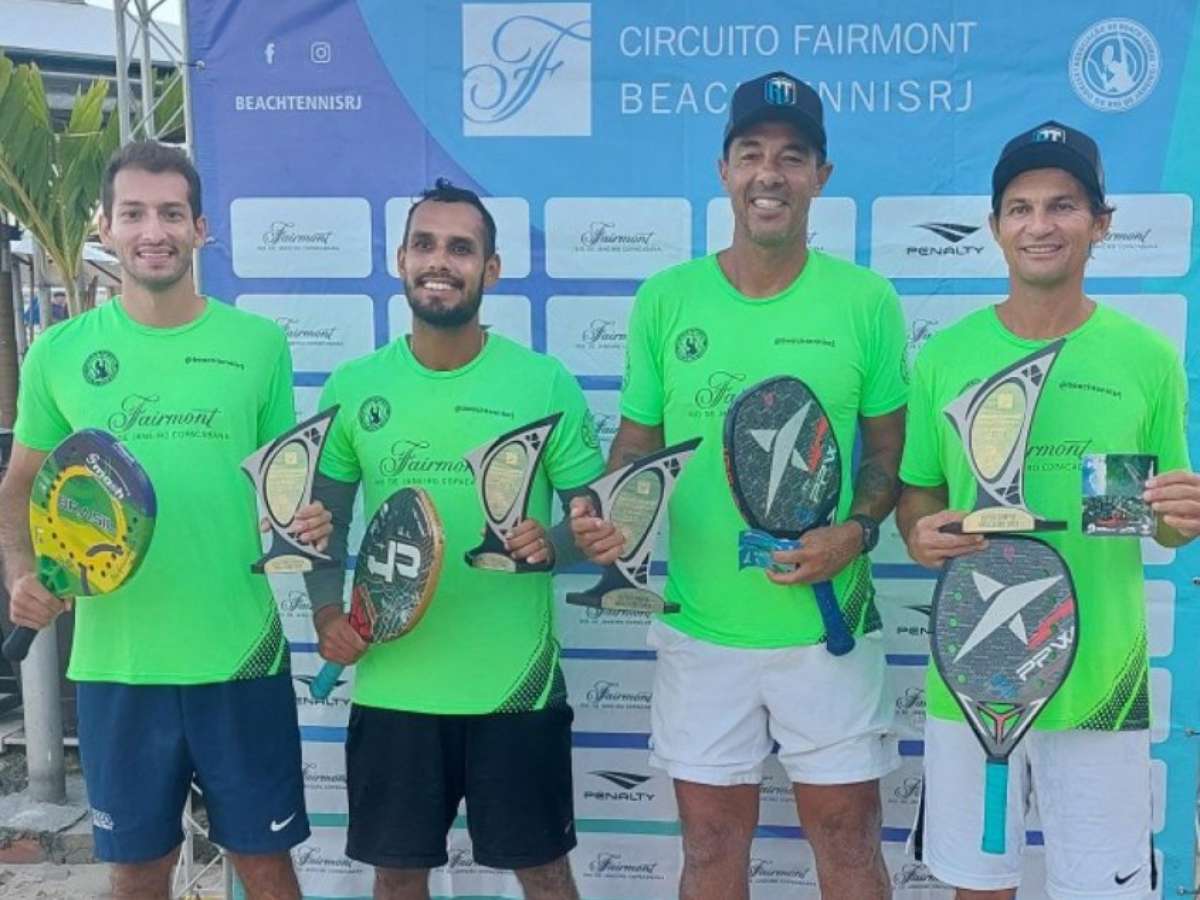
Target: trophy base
{"x": 627, "y": 599}
{"x": 292, "y": 563}
{"x": 995, "y": 520}
{"x": 492, "y": 561}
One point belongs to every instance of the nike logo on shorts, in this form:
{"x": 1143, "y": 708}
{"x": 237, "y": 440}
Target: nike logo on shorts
{"x": 1119, "y": 880}
{"x": 279, "y": 826}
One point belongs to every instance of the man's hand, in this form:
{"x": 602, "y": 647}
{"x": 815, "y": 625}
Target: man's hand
{"x": 929, "y": 546}
{"x": 1175, "y": 499}
{"x": 823, "y": 552}
{"x": 598, "y": 539}
{"x": 311, "y": 525}
{"x": 528, "y": 543}
{"x": 339, "y": 642}
{"x": 32, "y": 605}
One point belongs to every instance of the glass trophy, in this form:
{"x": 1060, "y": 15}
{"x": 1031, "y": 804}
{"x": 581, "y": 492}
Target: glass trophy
{"x": 634, "y": 499}
{"x": 503, "y": 470}
{"x": 282, "y": 473}
{"x": 993, "y": 420}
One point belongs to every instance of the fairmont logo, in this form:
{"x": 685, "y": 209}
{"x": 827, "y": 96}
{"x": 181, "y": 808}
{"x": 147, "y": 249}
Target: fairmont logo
{"x": 602, "y": 334}
{"x": 911, "y": 704}
{"x": 409, "y": 456}
{"x": 915, "y": 875}
{"x": 720, "y": 390}
{"x": 609, "y": 693}
{"x": 309, "y": 857}
{"x": 606, "y": 237}
{"x": 908, "y": 791}
{"x": 139, "y": 412}
{"x": 612, "y": 865}
{"x": 299, "y": 333}
{"x": 953, "y": 233}
{"x": 283, "y": 234}
{"x": 315, "y": 779}
{"x": 763, "y": 870}
{"x": 295, "y": 601}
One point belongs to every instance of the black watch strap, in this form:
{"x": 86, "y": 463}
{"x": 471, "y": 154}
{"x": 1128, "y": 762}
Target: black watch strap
{"x": 870, "y": 529}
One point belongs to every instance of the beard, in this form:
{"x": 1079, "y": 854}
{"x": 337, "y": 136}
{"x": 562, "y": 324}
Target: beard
{"x": 438, "y": 315}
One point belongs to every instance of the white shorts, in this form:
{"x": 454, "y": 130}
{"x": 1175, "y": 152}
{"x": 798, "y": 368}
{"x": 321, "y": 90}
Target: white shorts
{"x": 717, "y": 711}
{"x": 1092, "y": 793}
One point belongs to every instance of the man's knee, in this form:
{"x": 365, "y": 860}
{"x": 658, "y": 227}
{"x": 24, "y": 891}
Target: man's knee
{"x": 711, "y": 838}
{"x": 143, "y": 881}
{"x": 552, "y": 881}
{"x": 401, "y": 879}
{"x": 843, "y": 822}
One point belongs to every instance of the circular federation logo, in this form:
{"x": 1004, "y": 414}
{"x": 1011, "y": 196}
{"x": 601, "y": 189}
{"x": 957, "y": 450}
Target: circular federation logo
{"x": 691, "y": 344}
{"x": 1114, "y": 65}
{"x": 587, "y": 431}
{"x": 100, "y": 368}
{"x": 374, "y": 413}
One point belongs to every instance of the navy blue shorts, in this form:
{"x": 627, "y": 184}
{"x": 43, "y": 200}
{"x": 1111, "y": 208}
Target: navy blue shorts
{"x": 142, "y": 745}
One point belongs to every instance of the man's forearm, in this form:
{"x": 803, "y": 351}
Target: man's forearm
{"x": 633, "y": 441}
{"x": 16, "y": 550}
{"x": 916, "y": 503}
{"x": 876, "y": 486}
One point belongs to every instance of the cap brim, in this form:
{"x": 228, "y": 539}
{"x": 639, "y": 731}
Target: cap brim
{"x": 1047, "y": 155}
{"x": 805, "y": 123}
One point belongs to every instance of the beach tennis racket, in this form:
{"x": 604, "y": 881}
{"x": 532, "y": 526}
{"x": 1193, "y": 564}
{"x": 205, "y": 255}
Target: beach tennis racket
{"x": 1004, "y": 637}
{"x": 785, "y": 472}
{"x": 395, "y": 577}
{"x": 91, "y": 517}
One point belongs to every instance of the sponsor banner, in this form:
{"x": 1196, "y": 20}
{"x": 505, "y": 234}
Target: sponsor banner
{"x": 325, "y": 777}
{"x": 324, "y": 870}
{"x": 776, "y": 801}
{"x": 462, "y": 876}
{"x": 588, "y": 333}
{"x": 334, "y": 710}
{"x": 890, "y": 548}
{"x": 912, "y": 880}
{"x": 904, "y": 604}
{"x": 1151, "y": 234}
{"x": 900, "y": 793}
{"x": 934, "y": 237}
{"x": 508, "y": 314}
{"x": 511, "y": 215}
{"x": 606, "y": 415}
{"x": 306, "y": 400}
{"x": 781, "y": 869}
{"x": 831, "y": 225}
{"x": 600, "y": 629}
{"x": 509, "y": 50}
{"x": 906, "y": 690}
{"x": 616, "y": 237}
{"x": 301, "y": 237}
{"x": 322, "y": 329}
{"x": 619, "y": 866}
{"x": 610, "y": 695}
{"x": 1160, "y": 616}
{"x": 1160, "y": 704}
{"x": 620, "y": 784}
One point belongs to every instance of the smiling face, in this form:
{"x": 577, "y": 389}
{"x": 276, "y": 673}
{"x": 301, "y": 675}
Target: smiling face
{"x": 443, "y": 264}
{"x": 772, "y": 173}
{"x": 1046, "y": 228}
{"x": 151, "y": 230}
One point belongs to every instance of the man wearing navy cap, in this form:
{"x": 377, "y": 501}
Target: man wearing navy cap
{"x": 744, "y": 665}
{"x": 1117, "y": 386}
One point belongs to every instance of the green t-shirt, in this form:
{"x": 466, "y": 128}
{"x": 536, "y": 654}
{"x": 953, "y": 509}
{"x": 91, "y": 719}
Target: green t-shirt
{"x": 190, "y": 403}
{"x": 1116, "y": 387}
{"x": 694, "y": 344}
{"x": 486, "y": 643}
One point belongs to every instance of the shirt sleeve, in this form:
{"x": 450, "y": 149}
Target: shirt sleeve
{"x": 642, "y": 386}
{"x": 886, "y": 384}
{"x": 339, "y": 459}
{"x": 278, "y": 413}
{"x": 921, "y": 464}
{"x": 1167, "y": 429}
{"x": 573, "y": 457}
{"x": 40, "y": 424}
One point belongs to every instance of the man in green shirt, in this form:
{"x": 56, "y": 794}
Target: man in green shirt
{"x": 183, "y": 673}
{"x": 472, "y": 702}
{"x": 743, "y": 665}
{"x": 1115, "y": 387}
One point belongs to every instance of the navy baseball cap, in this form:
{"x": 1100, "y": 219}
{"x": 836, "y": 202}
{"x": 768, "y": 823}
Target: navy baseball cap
{"x": 1050, "y": 145}
{"x": 776, "y": 96}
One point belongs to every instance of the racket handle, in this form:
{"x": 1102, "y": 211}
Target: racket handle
{"x": 322, "y": 686}
{"x": 16, "y": 645}
{"x": 838, "y": 639}
{"x": 995, "y": 806}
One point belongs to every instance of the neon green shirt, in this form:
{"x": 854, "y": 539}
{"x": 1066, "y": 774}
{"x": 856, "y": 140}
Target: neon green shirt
{"x": 486, "y": 643}
{"x": 190, "y": 403}
{"x": 694, "y": 343}
{"x": 1116, "y": 387}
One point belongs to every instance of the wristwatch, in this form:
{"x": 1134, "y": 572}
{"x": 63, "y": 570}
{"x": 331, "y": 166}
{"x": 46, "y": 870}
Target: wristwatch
{"x": 870, "y": 529}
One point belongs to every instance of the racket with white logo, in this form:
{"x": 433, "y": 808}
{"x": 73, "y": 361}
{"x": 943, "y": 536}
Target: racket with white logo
{"x": 91, "y": 517}
{"x": 785, "y": 471}
{"x": 395, "y": 577}
{"x": 1005, "y": 631}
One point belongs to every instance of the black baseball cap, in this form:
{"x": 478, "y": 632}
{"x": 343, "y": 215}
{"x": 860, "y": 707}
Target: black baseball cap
{"x": 776, "y": 96}
{"x": 1050, "y": 145}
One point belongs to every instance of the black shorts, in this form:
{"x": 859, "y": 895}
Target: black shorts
{"x": 407, "y": 772}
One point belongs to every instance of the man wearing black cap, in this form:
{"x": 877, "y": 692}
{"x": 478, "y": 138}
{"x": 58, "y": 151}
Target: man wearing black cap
{"x": 743, "y": 665}
{"x": 1115, "y": 387}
